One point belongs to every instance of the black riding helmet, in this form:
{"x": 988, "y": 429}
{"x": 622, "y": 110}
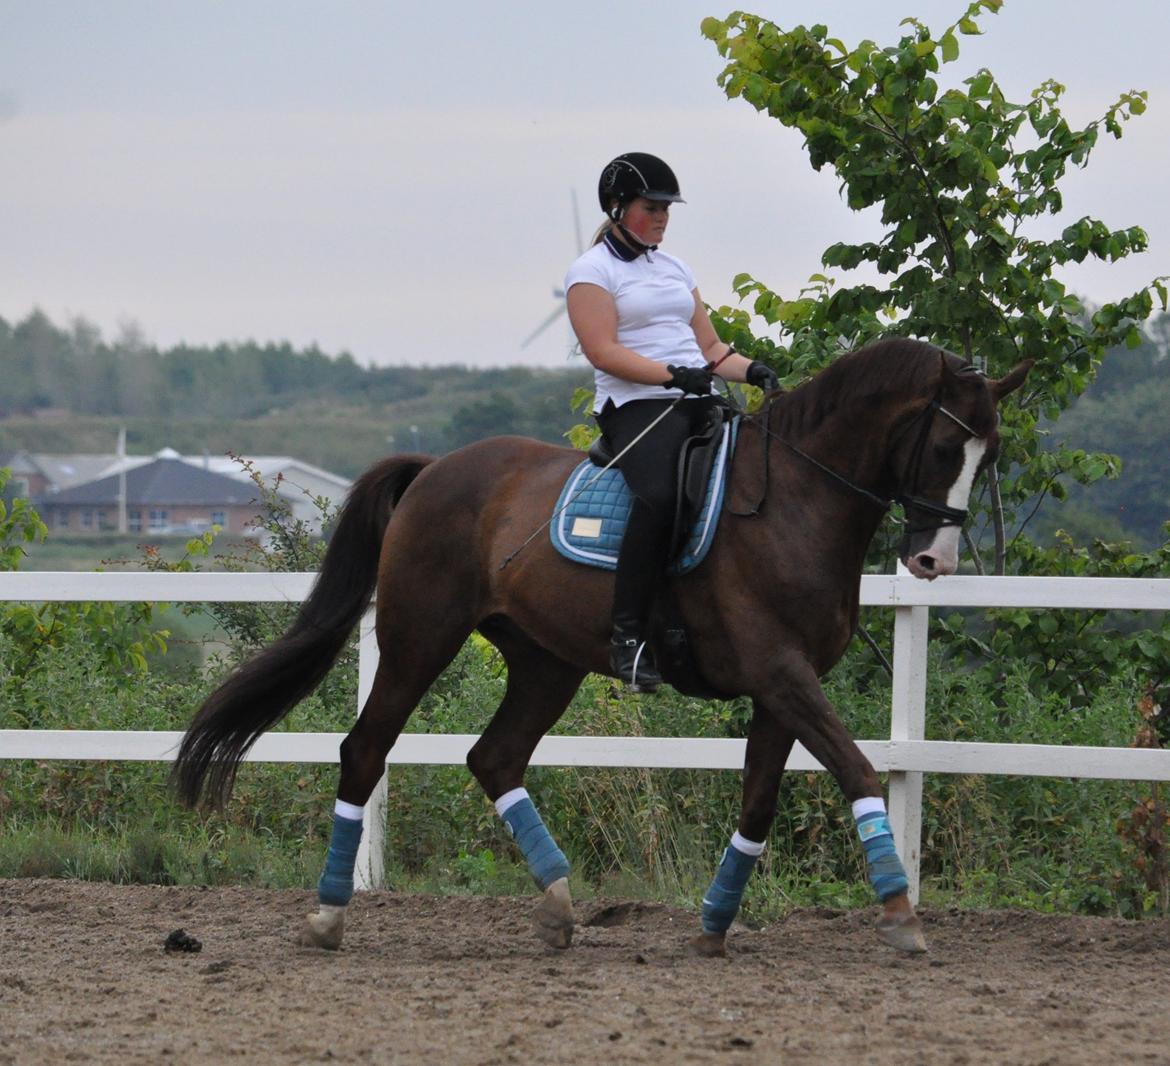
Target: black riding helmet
{"x": 635, "y": 174}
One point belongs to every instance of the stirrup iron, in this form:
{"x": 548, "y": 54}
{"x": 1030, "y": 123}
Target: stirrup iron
{"x": 640, "y": 674}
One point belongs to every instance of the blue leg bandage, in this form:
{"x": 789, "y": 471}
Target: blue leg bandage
{"x": 721, "y": 900}
{"x": 546, "y": 861}
{"x": 336, "y": 885}
{"x": 885, "y": 868}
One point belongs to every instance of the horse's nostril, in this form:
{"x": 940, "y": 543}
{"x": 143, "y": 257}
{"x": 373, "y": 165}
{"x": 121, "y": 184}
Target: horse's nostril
{"x": 927, "y": 562}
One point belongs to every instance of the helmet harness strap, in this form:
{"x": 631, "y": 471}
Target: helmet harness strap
{"x": 617, "y": 212}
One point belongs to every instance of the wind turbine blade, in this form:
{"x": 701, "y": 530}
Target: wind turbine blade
{"x": 543, "y": 326}
{"x": 577, "y": 224}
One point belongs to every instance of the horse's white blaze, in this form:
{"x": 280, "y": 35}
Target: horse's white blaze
{"x": 941, "y": 556}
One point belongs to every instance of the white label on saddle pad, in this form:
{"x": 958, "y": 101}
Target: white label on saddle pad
{"x": 587, "y": 527}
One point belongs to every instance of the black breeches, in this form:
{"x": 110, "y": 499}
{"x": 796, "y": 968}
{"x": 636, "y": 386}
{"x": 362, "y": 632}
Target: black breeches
{"x": 650, "y": 469}
{"x": 650, "y": 466}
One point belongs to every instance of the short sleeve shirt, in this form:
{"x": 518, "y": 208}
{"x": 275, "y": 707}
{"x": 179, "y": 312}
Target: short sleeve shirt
{"x": 654, "y": 297}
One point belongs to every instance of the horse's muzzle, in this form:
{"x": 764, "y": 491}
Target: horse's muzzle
{"x": 928, "y": 565}
{"x": 937, "y": 558}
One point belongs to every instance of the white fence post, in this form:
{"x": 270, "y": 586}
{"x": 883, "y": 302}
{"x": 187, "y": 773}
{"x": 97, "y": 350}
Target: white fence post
{"x": 908, "y": 722}
{"x": 369, "y": 871}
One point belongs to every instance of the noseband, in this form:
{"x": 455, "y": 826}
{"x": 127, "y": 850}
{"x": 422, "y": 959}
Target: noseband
{"x": 950, "y": 516}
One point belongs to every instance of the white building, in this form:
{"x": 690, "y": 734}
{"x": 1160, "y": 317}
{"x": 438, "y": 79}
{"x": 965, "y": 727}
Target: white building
{"x": 42, "y": 476}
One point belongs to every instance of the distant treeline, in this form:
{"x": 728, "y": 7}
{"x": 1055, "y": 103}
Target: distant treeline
{"x": 45, "y": 368}
{"x": 1123, "y": 413}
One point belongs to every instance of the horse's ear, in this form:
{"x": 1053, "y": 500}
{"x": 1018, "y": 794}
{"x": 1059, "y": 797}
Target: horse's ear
{"x": 1012, "y": 380}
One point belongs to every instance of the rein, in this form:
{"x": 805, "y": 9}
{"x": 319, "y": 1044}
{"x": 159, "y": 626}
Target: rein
{"x": 951, "y": 516}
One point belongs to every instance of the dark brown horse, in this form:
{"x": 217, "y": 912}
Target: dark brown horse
{"x": 769, "y": 611}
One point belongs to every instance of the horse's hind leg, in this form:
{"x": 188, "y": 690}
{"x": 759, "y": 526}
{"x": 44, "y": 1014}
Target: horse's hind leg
{"x": 540, "y": 687}
{"x": 399, "y": 683}
{"x": 768, "y": 747}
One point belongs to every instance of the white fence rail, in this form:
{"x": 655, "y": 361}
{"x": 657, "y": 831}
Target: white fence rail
{"x": 905, "y": 756}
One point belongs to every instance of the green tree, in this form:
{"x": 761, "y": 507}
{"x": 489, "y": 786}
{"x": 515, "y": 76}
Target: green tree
{"x": 1123, "y": 412}
{"x": 961, "y": 175}
{"x": 493, "y": 417}
{"x": 19, "y": 525}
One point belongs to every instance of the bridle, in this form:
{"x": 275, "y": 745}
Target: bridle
{"x": 950, "y": 516}
{"x": 908, "y": 498}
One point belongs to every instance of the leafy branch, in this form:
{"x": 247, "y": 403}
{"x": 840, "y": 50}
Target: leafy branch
{"x": 957, "y": 263}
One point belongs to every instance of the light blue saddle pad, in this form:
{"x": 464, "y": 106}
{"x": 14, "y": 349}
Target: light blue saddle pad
{"x": 591, "y": 513}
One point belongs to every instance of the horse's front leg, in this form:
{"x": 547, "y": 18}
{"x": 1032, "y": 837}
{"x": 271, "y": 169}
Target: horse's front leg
{"x": 767, "y": 751}
{"x": 799, "y": 705}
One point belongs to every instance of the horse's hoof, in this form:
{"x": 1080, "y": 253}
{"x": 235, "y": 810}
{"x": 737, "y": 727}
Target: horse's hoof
{"x": 553, "y": 918}
{"x": 324, "y": 929}
{"x": 903, "y": 932}
{"x": 709, "y": 945}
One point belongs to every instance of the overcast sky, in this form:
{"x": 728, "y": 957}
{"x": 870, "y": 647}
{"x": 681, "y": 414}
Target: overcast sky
{"x": 396, "y": 180}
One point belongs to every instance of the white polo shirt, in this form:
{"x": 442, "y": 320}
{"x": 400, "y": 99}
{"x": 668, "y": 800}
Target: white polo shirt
{"x": 654, "y": 296}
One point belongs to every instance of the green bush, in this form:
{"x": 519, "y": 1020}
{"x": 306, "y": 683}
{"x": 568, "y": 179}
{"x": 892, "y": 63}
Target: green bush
{"x": 1040, "y": 842}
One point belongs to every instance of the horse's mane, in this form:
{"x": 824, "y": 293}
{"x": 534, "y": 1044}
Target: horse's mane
{"x": 898, "y": 365}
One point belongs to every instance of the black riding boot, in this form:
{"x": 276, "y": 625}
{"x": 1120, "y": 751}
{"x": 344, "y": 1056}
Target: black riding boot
{"x": 632, "y": 660}
{"x": 639, "y": 567}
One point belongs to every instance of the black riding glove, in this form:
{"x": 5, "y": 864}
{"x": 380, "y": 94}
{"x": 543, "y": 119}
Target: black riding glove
{"x": 762, "y": 376}
{"x": 690, "y": 379}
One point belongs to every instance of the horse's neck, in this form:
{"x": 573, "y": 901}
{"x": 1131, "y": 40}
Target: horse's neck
{"x": 840, "y": 520}
{"x": 845, "y": 441}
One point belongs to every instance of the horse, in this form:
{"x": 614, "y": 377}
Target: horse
{"x": 769, "y": 611}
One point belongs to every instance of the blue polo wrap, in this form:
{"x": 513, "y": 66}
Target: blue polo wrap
{"x": 546, "y": 862}
{"x": 336, "y": 885}
{"x": 721, "y": 901}
{"x": 886, "y": 872}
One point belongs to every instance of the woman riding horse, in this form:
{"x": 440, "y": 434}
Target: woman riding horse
{"x": 642, "y": 325}
{"x": 771, "y": 608}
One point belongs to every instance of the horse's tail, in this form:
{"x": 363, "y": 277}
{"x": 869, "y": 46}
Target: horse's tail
{"x": 262, "y": 691}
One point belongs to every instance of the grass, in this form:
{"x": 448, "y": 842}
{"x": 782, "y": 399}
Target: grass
{"x": 46, "y": 848}
{"x": 1043, "y": 843}
{"x": 105, "y": 551}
